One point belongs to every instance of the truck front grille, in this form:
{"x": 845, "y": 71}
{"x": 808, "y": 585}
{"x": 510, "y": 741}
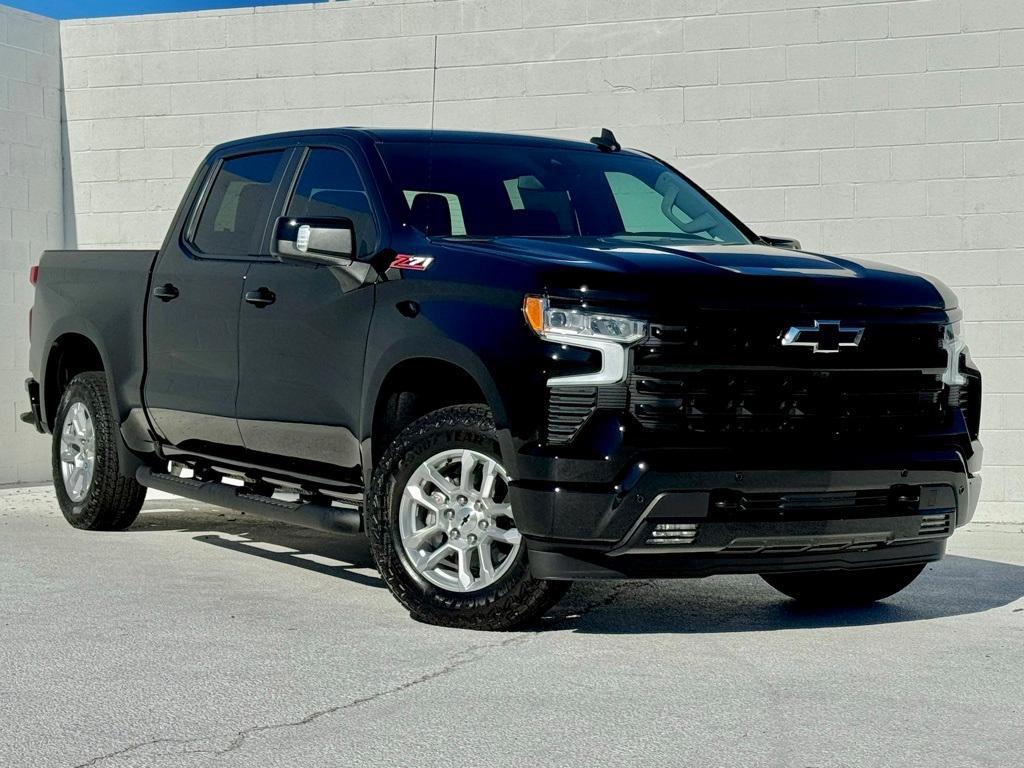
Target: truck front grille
{"x": 721, "y": 376}
{"x": 743, "y": 342}
{"x": 780, "y": 402}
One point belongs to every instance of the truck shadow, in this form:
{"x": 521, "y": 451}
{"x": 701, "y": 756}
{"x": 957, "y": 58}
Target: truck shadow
{"x": 954, "y": 586}
{"x": 343, "y": 557}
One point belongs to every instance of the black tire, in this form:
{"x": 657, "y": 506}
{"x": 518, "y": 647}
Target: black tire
{"x": 113, "y": 500}
{"x": 843, "y": 588}
{"x": 515, "y": 600}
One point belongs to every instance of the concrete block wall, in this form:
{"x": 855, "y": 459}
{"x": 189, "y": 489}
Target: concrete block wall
{"x": 887, "y": 130}
{"x": 31, "y": 215}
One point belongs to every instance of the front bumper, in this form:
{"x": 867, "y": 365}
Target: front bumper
{"x": 582, "y": 565}
{"x": 658, "y": 521}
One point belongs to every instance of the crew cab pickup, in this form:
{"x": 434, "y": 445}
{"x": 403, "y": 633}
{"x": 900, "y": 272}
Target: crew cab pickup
{"x": 513, "y": 362}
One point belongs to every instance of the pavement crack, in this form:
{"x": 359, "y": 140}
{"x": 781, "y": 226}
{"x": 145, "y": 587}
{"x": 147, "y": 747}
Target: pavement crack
{"x": 467, "y": 656}
{"x": 238, "y": 738}
{"x": 131, "y": 748}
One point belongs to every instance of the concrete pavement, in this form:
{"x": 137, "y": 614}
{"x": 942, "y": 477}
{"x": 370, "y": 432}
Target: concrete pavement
{"x": 201, "y": 637}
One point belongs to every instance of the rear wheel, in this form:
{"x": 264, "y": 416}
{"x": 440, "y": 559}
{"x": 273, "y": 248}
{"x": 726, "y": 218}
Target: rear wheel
{"x": 442, "y": 528}
{"x": 843, "y": 588}
{"x": 91, "y": 490}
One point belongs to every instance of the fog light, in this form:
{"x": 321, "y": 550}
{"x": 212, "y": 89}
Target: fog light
{"x": 936, "y": 525}
{"x": 673, "y": 533}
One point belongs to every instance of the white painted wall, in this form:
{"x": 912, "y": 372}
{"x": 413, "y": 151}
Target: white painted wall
{"x": 31, "y": 217}
{"x": 889, "y": 130}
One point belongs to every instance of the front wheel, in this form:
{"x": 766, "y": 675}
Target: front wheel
{"x": 442, "y": 528}
{"x": 843, "y": 588}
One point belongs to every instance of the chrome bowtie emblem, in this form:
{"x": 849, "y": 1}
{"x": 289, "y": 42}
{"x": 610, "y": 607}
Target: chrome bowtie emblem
{"x": 823, "y": 336}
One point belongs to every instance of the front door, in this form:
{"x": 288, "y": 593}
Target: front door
{"x": 303, "y": 330}
{"x": 192, "y": 317}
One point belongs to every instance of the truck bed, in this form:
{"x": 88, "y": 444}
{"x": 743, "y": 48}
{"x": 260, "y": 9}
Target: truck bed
{"x": 100, "y": 294}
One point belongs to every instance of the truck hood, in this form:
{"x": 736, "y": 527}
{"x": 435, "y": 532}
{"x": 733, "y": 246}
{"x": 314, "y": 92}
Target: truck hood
{"x": 659, "y": 273}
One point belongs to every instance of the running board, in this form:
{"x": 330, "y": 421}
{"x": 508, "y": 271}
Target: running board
{"x": 319, "y": 516}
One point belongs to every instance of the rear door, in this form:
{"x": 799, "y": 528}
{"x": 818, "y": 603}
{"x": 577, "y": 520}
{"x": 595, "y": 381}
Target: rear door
{"x": 192, "y": 316}
{"x": 303, "y": 330}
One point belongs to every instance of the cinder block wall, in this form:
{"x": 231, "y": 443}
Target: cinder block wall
{"x": 31, "y": 217}
{"x": 887, "y": 130}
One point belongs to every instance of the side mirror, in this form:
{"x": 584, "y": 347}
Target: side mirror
{"x": 781, "y": 242}
{"x": 322, "y": 241}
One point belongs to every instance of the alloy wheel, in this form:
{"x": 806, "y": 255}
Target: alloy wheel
{"x": 455, "y": 521}
{"x": 77, "y": 451}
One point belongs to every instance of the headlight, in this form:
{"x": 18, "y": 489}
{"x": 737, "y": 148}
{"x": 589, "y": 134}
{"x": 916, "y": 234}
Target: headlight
{"x": 954, "y": 344}
{"x": 608, "y": 334}
{"x": 556, "y": 323}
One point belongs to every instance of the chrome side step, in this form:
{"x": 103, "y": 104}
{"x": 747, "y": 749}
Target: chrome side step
{"x": 322, "y": 517}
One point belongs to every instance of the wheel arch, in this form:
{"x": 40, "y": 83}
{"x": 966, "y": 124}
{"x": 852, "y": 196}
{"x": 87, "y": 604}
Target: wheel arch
{"x": 410, "y": 387}
{"x": 68, "y": 355}
{"x": 74, "y": 350}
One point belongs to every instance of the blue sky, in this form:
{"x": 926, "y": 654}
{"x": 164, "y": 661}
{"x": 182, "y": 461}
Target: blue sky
{"x": 76, "y": 9}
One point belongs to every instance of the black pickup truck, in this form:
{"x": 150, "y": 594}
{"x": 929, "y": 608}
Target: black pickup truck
{"x": 513, "y": 362}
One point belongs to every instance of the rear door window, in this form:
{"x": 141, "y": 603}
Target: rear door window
{"x": 237, "y": 207}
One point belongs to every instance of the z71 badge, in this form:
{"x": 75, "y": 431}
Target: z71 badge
{"x": 419, "y": 263}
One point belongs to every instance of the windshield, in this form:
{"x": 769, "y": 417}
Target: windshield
{"x": 493, "y": 190}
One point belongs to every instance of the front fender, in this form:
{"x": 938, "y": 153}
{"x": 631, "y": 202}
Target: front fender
{"x": 429, "y": 348}
{"x": 477, "y": 328}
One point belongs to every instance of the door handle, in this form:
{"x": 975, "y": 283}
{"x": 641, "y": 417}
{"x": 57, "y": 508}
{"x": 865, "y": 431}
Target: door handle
{"x": 166, "y": 292}
{"x": 260, "y": 298}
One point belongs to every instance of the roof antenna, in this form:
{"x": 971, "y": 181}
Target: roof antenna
{"x": 606, "y": 142}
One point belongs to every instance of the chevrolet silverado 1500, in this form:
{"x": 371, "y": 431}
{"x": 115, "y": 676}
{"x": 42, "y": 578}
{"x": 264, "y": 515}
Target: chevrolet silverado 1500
{"x": 513, "y": 362}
